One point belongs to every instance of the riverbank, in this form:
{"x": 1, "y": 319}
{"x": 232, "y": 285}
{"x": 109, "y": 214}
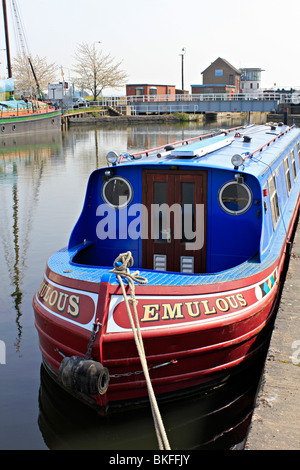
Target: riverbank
{"x": 87, "y": 119}
{"x": 276, "y": 419}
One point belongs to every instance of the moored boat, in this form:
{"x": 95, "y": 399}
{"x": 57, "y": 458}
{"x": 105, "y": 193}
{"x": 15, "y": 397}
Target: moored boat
{"x": 23, "y": 116}
{"x": 195, "y": 236}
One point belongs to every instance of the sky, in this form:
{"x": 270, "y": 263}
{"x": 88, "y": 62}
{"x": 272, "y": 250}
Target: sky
{"x": 149, "y": 35}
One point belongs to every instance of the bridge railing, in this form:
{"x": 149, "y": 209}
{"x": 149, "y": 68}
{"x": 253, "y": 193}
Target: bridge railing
{"x": 269, "y": 96}
{"x": 272, "y": 96}
{"x": 123, "y": 101}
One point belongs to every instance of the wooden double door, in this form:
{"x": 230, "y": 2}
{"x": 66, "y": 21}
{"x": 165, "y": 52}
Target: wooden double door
{"x": 175, "y": 220}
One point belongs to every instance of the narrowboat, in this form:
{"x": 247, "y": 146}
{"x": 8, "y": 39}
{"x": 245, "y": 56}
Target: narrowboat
{"x": 172, "y": 271}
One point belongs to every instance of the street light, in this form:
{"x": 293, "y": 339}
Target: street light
{"x": 182, "y": 68}
{"x": 96, "y": 42}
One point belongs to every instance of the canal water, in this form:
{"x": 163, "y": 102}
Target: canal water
{"x": 43, "y": 180}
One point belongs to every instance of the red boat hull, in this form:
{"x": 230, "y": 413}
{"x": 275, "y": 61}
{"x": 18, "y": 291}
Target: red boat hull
{"x": 197, "y": 330}
{"x": 191, "y": 340}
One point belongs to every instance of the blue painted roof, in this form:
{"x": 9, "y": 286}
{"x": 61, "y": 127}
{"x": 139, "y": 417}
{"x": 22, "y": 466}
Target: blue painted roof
{"x": 201, "y": 147}
{"x": 221, "y": 158}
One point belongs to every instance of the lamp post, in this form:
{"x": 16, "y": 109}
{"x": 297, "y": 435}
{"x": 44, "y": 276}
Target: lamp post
{"x": 182, "y": 68}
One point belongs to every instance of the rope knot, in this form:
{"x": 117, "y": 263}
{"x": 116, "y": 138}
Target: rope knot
{"x": 123, "y": 261}
{"x": 121, "y": 268}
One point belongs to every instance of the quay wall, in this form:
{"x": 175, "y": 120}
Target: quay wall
{"x": 291, "y": 118}
{"x": 276, "y": 418}
{"x": 82, "y": 120}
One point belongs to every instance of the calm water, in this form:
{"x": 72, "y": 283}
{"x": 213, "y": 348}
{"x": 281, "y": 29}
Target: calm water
{"x": 42, "y": 186}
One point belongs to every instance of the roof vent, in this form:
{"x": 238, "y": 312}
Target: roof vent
{"x": 199, "y": 149}
{"x": 247, "y": 138}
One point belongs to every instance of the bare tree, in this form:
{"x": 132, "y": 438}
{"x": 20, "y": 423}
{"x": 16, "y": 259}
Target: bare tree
{"x": 25, "y": 83}
{"x": 96, "y": 70}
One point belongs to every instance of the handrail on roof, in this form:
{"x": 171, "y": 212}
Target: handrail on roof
{"x": 182, "y": 142}
{"x": 250, "y": 154}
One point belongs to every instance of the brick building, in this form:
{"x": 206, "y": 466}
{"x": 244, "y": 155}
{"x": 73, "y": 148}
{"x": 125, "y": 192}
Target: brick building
{"x": 219, "y": 77}
{"x": 146, "y": 90}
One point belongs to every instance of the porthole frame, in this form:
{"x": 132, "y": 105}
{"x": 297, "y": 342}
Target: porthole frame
{"x": 247, "y": 206}
{"x": 105, "y": 199}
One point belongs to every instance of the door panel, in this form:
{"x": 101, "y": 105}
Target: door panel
{"x": 176, "y": 218}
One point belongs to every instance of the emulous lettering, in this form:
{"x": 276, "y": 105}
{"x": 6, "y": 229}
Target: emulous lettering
{"x": 73, "y": 308}
{"x": 55, "y": 299}
{"x": 170, "y": 312}
{"x": 193, "y": 309}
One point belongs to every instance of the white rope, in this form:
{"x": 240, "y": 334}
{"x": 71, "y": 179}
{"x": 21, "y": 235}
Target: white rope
{"x": 121, "y": 270}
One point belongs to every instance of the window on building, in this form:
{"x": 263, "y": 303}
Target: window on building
{"x": 231, "y": 80}
{"x": 251, "y": 85}
{"x": 153, "y": 90}
{"x": 287, "y": 174}
{"x": 139, "y": 91}
{"x": 273, "y": 201}
{"x": 219, "y": 73}
{"x": 257, "y": 85}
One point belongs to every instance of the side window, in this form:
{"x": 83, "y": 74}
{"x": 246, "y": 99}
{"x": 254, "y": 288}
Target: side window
{"x": 293, "y": 164}
{"x": 273, "y": 201}
{"x": 287, "y": 174}
{"x": 298, "y": 152}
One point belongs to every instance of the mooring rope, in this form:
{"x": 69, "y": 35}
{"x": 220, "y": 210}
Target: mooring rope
{"x": 121, "y": 270}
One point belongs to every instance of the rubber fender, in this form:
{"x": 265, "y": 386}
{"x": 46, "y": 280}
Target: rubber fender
{"x": 84, "y": 375}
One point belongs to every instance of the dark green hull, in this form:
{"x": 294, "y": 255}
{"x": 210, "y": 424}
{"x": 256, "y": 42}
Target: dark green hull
{"x": 26, "y": 124}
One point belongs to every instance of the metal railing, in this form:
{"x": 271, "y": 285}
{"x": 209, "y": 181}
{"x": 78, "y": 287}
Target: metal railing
{"x": 266, "y": 96}
{"x": 123, "y": 101}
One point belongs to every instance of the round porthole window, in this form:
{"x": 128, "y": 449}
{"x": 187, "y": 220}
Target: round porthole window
{"x": 117, "y": 192}
{"x": 235, "y": 198}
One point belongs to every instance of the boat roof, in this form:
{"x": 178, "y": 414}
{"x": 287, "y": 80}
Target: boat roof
{"x": 14, "y": 104}
{"x": 258, "y": 145}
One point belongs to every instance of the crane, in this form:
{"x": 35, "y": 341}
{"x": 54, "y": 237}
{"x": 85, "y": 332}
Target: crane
{"x": 24, "y": 45}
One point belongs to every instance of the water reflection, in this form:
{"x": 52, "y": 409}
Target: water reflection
{"x": 216, "y": 420}
{"x": 22, "y": 162}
